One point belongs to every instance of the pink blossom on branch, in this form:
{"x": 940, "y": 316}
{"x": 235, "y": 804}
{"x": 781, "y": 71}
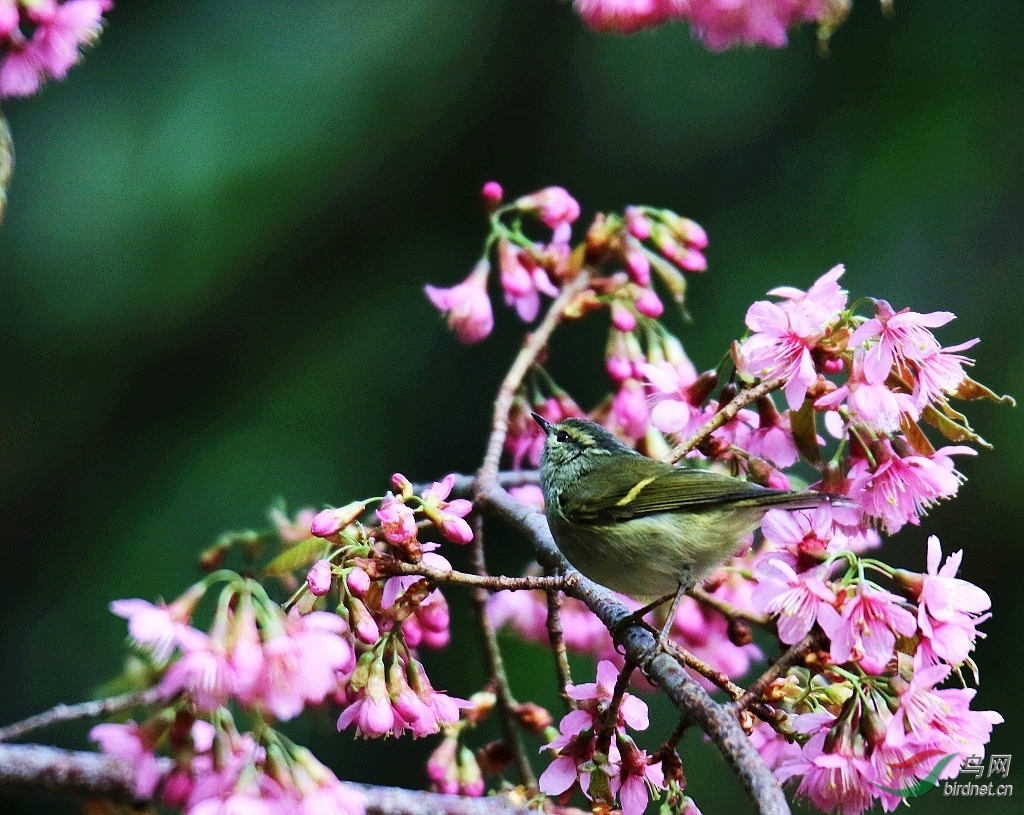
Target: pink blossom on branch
{"x": 467, "y": 305}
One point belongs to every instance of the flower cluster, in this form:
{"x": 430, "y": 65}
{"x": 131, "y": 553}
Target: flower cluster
{"x": 603, "y": 771}
{"x": 58, "y": 32}
{"x": 219, "y": 769}
{"x": 719, "y": 24}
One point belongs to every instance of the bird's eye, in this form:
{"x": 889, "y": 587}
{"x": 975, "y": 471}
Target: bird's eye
{"x": 561, "y": 436}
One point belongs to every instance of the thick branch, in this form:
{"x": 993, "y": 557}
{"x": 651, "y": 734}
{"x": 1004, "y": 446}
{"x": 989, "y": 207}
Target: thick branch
{"x": 641, "y": 649}
{"x": 34, "y": 768}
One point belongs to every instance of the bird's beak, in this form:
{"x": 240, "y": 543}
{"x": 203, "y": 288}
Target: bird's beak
{"x": 544, "y": 423}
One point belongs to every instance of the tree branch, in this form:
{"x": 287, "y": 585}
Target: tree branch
{"x": 82, "y": 710}
{"x": 483, "y": 581}
{"x": 34, "y": 768}
{"x": 640, "y": 646}
{"x": 741, "y": 400}
{"x": 496, "y": 665}
{"x": 556, "y": 637}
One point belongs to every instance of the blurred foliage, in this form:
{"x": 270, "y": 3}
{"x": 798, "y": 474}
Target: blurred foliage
{"x": 218, "y": 229}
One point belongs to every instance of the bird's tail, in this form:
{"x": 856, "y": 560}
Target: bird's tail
{"x": 806, "y": 499}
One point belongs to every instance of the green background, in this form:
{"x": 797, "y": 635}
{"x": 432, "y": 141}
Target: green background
{"x": 220, "y": 225}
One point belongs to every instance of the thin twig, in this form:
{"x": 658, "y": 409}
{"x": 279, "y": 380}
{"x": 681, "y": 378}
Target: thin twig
{"x": 557, "y": 638}
{"x": 496, "y": 665}
{"x": 740, "y": 401}
{"x": 486, "y": 581}
{"x": 533, "y": 344}
{"x": 729, "y": 610}
{"x": 82, "y": 710}
{"x": 700, "y": 666}
{"x": 791, "y": 657}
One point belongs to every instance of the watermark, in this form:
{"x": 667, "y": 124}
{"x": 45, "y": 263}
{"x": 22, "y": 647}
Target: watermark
{"x": 998, "y": 765}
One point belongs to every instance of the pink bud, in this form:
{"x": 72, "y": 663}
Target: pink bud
{"x": 455, "y": 528}
{"x": 692, "y": 261}
{"x": 639, "y": 266}
{"x": 319, "y": 578}
{"x": 401, "y": 485}
{"x": 637, "y": 224}
{"x": 492, "y": 194}
{"x": 358, "y": 582}
{"x": 362, "y": 623}
{"x": 618, "y": 368}
{"x": 833, "y": 366}
{"x": 553, "y": 206}
{"x": 622, "y": 318}
{"x": 331, "y": 521}
{"x": 649, "y": 304}
{"x": 467, "y": 305}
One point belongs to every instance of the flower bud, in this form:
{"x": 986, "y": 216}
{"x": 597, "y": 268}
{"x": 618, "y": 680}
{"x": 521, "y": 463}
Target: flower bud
{"x": 622, "y": 318}
{"x": 533, "y": 717}
{"x": 362, "y": 672}
{"x": 358, "y": 582}
{"x": 441, "y": 767}
{"x": 401, "y": 485}
{"x": 319, "y": 578}
{"x": 471, "y": 781}
{"x": 649, "y": 304}
{"x": 637, "y": 224}
{"x": 361, "y": 622}
{"x": 740, "y": 633}
{"x": 492, "y": 193}
{"x": 331, "y": 521}
{"x": 483, "y": 703}
{"x": 493, "y": 758}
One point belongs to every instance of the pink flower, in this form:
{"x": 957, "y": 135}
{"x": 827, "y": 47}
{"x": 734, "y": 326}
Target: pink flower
{"x": 397, "y": 520}
{"x": 896, "y": 338}
{"x": 60, "y": 31}
{"x": 132, "y": 744}
{"x": 772, "y": 439}
{"x": 720, "y": 24}
{"x": 866, "y": 631}
{"x": 467, "y": 305}
{"x": 781, "y": 345}
{"x": 155, "y": 626}
{"x": 872, "y": 404}
{"x": 301, "y": 664}
{"x": 941, "y": 717}
{"x": 675, "y": 404}
{"x": 553, "y": 205}
{"x": 949, "y": 609}
{"x": 622, "y": 16}
{"x": 941, "y": 372}
{"x": 803, "y": 538}
{"x": 774, "y": 748}
{"x": 203, "y": 672}
{"x": 636, "y": 776}
{"x": 899, "y": 489}
{"x": 446, "y": 515}
{"x": 523, "y": 281}
{"x": 799, "y": 601}
{"x": 630, "y": 411}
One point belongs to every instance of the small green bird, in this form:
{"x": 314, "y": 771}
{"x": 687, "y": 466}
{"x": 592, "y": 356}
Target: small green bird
{"x": 644, "y": 527}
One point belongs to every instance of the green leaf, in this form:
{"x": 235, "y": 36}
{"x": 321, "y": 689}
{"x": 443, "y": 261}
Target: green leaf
{"x": 295, "y": 557}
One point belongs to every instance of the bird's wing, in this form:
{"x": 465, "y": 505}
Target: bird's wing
{"x": 668, "y": 490}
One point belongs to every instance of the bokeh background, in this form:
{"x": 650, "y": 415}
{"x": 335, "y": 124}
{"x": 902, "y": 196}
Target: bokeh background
{"x": 220, "y": 225}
